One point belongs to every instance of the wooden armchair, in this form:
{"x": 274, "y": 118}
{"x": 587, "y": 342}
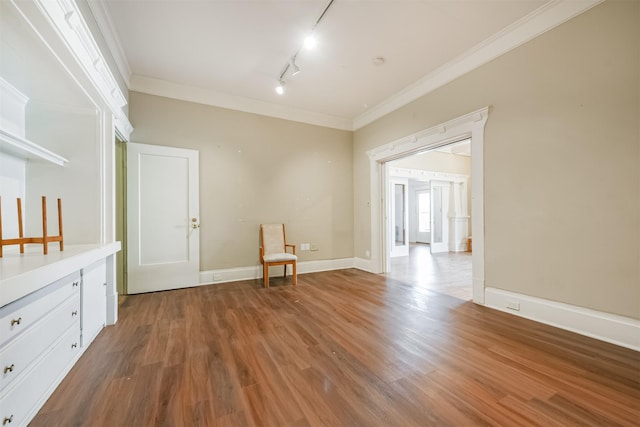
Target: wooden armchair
{"x": 273, "y": 251}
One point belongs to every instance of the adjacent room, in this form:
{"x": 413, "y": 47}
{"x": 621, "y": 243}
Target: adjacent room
{"x": 320, "y": 213}
{"x": 429, "y": 218}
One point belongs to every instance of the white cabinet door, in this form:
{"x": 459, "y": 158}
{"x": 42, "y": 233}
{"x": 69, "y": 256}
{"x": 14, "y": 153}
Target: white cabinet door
{"x": 163, "y": 238}
{"x": 94, "y": 301}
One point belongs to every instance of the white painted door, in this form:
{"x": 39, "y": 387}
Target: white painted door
{"x": 399, "y": 217}
{"x": 163, "y": 236}
{"x": 439, "y": 216}
{"x": 423, "y": 216}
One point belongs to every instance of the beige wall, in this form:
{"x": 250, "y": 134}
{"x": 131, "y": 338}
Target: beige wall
{"x": 561, "y": 156}
{"x": 256, "y": 169}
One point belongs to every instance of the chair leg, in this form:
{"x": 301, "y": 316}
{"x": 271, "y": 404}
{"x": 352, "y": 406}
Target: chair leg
{"x": 285, "y": 271}
{"x": 265, "y": 274}
{"x": 295, "y": 273}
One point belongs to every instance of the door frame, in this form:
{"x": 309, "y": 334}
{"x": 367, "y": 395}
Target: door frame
{"x": 470, "y": 125}
{"x": 417, "y": 215}
{"x": 393, "y": 250}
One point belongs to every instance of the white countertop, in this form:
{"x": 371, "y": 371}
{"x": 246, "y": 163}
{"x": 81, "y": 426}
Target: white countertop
{"x": 22, "y": 274}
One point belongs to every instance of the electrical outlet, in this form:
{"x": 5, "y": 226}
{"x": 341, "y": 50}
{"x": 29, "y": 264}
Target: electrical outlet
{"x": 217, "y": 276}
{"x": 513, "y": 305}
{"x": 314, "y": 247}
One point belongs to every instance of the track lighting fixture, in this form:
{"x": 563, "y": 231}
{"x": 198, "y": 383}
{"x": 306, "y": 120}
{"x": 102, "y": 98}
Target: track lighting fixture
{"x": 293, "y": 67}
{"x": 309, "y": 43}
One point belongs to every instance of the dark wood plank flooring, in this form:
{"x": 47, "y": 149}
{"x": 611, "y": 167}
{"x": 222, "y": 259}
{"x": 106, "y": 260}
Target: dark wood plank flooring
{"x": 343, "y": 348}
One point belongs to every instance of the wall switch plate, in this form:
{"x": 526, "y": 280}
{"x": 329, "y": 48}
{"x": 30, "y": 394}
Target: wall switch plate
{"x": 513, "y": 305}
{"x": 304, "y": 246}
{"x": 314, "y": 247}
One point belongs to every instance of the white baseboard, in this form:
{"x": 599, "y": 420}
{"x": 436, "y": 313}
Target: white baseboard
{"x": 364, "y": 265}
{"x": 458, "y": 247}
{"x": 112, "y": 309}
{"x": 619, "y": 330}
{"x": 255, "y": 272}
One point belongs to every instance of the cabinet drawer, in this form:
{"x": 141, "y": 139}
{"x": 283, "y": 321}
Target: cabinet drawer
{"x": 16, "y": 357}
{"x": 25, "y": 397}
{"x": 19, "y": 315}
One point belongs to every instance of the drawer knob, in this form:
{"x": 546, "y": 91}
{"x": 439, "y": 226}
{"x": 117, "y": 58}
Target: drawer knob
{"x": 16, "y": 321}
{"x": 75, "y": 284}
{"x": 7, "y": 420}
{"x": 74, "y": 345}
{"x": 74, "y": 313}
{"x": 9, "y": 368}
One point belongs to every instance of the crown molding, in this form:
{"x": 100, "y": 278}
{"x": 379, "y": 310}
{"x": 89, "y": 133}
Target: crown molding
{"x": 70, "y": 25}
{"x": 110, "y": 36}
{"x": 541, "y": 20}
{"x": 198, "y": 95}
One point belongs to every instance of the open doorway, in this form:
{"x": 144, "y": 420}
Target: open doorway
{"x": 429, "y": 219}
{"x": 470, "y": 125}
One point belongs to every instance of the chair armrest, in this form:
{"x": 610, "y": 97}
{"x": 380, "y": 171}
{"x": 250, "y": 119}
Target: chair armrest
{"x": 293, "y": 247}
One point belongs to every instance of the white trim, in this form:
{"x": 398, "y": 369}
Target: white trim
{"x": 25, "y": 149}
{"x": 204, "y": 96}
{"x": 364, "y": 265}
{"x": 619, "y": 330}
{"x": 469, "y": 125}
{"x": 110, "y": 35}
{"x": 70, "y": 25}
{"x": 255, "y": 272}
{"x": 541, "y": 20}
{"x": 123, "y": 126}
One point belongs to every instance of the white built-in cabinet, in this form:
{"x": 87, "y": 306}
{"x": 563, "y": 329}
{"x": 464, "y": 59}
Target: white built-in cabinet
{"x": 43, "y": 333}
{"x": 60, "y": 111}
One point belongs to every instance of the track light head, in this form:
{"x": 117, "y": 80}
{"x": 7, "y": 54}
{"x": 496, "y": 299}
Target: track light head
{"x": 310, "y": 42}
{"x": 293, "y": 67}
{"x": 280, "y": 87}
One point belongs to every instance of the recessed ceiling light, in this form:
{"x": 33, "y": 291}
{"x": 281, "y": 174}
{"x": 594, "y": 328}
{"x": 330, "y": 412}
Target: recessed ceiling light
{"x": 378, "y": 60}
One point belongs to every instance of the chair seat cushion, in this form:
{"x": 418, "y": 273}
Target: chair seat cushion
{"x": 280, "y": 257}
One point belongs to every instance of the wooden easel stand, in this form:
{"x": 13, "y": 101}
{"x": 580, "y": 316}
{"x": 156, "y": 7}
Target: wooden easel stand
{"x": 44, "y": 240}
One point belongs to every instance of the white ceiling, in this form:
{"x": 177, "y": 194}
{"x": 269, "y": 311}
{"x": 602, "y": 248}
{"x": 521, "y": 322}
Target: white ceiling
{"x": 231, "y": 52}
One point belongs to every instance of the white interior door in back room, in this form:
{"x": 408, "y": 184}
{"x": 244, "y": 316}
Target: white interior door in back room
{"x": 163, "y": 225}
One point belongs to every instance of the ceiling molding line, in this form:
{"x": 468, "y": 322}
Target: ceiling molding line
{"x": 541, "y": 20}
{"x": 110, "y": 36}
{"x": 153, "y": 86}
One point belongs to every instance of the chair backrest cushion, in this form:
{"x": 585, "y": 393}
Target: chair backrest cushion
{"x": 273, "y": 238}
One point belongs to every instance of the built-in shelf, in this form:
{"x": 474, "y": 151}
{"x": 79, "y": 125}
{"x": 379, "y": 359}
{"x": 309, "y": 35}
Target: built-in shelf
{"x": 22, "y": 148}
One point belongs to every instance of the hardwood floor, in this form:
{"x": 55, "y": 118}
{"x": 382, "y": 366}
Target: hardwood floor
{"x": 343, "y": 348}
{"x": 447, "y": 273}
